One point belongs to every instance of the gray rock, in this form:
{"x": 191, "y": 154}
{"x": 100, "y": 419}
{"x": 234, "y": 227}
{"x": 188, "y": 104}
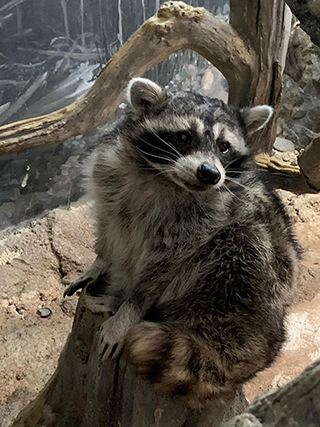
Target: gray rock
{"x": 244, "y": 420}
{"x": 44, "y": 312}
{"x": 295, "y": 404}
{"x": 282, "y": 144}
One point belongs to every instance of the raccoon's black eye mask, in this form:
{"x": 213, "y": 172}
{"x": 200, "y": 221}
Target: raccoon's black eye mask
{"x": 164, "y": 147}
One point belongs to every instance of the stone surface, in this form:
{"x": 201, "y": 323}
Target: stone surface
{"x": 34, "y": 259}
{"x": 282, "y": 144}
{"x": 296, "y": 404}
{"x": 300, "y": 102}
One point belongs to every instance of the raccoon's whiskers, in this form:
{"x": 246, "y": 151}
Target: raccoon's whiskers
{"x": 228, "y": 189}
{"x": 185, "y": 171}
{"x": 236, "y": 182}
{"x": 248, "y": 172}
{"x": 153, "y": 155}
{"x": 158, "y": 148}
{"x": 159, "y": 172}
{"x": 222, "y": 202}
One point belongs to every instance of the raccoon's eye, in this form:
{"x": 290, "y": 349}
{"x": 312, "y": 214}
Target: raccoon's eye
{"x": 183, "y": 136}
{"x": 224, "y": 147}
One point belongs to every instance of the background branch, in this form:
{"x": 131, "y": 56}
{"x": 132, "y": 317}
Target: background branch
{"x": 176, "y": 26}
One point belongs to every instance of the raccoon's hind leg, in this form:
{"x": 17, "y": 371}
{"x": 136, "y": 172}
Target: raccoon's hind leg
{"x": 89, "y": 278}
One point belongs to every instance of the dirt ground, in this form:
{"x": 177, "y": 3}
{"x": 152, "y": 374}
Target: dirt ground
{"x": 40, "y": 257}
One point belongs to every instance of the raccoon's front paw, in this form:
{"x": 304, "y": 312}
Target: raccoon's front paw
{"x": 90, "y": 278}
{"x": 78, "y": 284}
{"x": 114, "y": 330}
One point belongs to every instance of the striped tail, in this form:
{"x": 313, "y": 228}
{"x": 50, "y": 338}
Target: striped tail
{"x": 184, "y": 365}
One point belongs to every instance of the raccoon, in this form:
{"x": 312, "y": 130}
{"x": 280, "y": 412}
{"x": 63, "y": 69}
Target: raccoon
{"x": 196, "y": 256}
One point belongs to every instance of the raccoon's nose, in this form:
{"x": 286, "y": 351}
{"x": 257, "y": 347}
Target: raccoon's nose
{"x": 208, "y": 174}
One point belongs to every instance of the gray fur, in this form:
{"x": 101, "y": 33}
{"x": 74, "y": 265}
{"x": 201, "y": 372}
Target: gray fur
{"x": 205, "y": 273}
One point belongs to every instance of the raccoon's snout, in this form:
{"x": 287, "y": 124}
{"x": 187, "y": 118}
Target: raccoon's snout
{"x": 208, "y": 174}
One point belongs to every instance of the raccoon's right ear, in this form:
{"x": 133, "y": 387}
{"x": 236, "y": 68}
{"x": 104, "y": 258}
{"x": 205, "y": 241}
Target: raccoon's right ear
{"x": 143, "y": 96}
{"x": 256, "y": 118}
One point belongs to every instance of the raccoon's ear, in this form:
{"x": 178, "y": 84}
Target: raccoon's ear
{"x": 256, "y": 118}
{"x": 144, "y": 95}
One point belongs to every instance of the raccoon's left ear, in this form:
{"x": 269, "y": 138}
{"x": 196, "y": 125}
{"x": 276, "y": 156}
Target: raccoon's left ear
{"x": 256, "y": 118}
{"x": 143, "y": 95}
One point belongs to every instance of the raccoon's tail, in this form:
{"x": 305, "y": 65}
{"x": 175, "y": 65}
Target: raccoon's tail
{"x": 180, "y": 363}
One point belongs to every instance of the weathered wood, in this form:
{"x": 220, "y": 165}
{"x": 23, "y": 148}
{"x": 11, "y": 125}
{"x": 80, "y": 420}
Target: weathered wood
{"x": 252, "y": 20}
{"x": 176, "y": 26}
{"x": 87, "y": 392}
{"x": 285, "y": 176}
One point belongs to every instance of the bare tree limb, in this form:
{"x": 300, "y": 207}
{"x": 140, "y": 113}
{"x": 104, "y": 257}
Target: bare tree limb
{"x": 176, "y": 26}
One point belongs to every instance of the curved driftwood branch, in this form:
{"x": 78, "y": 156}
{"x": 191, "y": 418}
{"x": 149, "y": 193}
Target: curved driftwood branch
{"x": 176, "y": 26}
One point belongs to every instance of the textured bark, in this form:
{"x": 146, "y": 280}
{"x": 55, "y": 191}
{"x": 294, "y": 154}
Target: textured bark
{"x": 295, "y": 404}
{"x": 308, "y": 13}
{"x": 85, "y": 392}
{"x": 265, "y": 25}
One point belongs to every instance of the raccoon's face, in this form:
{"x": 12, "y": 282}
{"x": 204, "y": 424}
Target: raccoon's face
{"x": 188, "y": 138}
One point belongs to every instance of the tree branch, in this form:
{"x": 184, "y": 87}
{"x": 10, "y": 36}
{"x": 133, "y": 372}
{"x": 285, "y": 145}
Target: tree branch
{"x": 176, "y": 26}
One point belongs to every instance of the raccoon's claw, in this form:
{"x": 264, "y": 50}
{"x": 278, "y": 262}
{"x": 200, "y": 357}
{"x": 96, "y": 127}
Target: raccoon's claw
{"x": 90, "y": 278}
{"x": 114, "y": 330}
{"x": 111, "y": 338}
{"x": 78, "y": 284}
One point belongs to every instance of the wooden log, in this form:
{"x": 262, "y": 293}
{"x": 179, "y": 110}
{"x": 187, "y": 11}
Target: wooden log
{"x": 87, "y": 392}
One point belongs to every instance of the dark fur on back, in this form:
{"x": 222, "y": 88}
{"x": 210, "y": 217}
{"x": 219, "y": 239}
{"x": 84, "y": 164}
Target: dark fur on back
{"x": 209, "y": 269}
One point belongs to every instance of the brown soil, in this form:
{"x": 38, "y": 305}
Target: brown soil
{"x": 39, "y": 258}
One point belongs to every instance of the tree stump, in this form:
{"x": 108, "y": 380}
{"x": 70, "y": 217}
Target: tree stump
{"x": 87, "y": 392}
